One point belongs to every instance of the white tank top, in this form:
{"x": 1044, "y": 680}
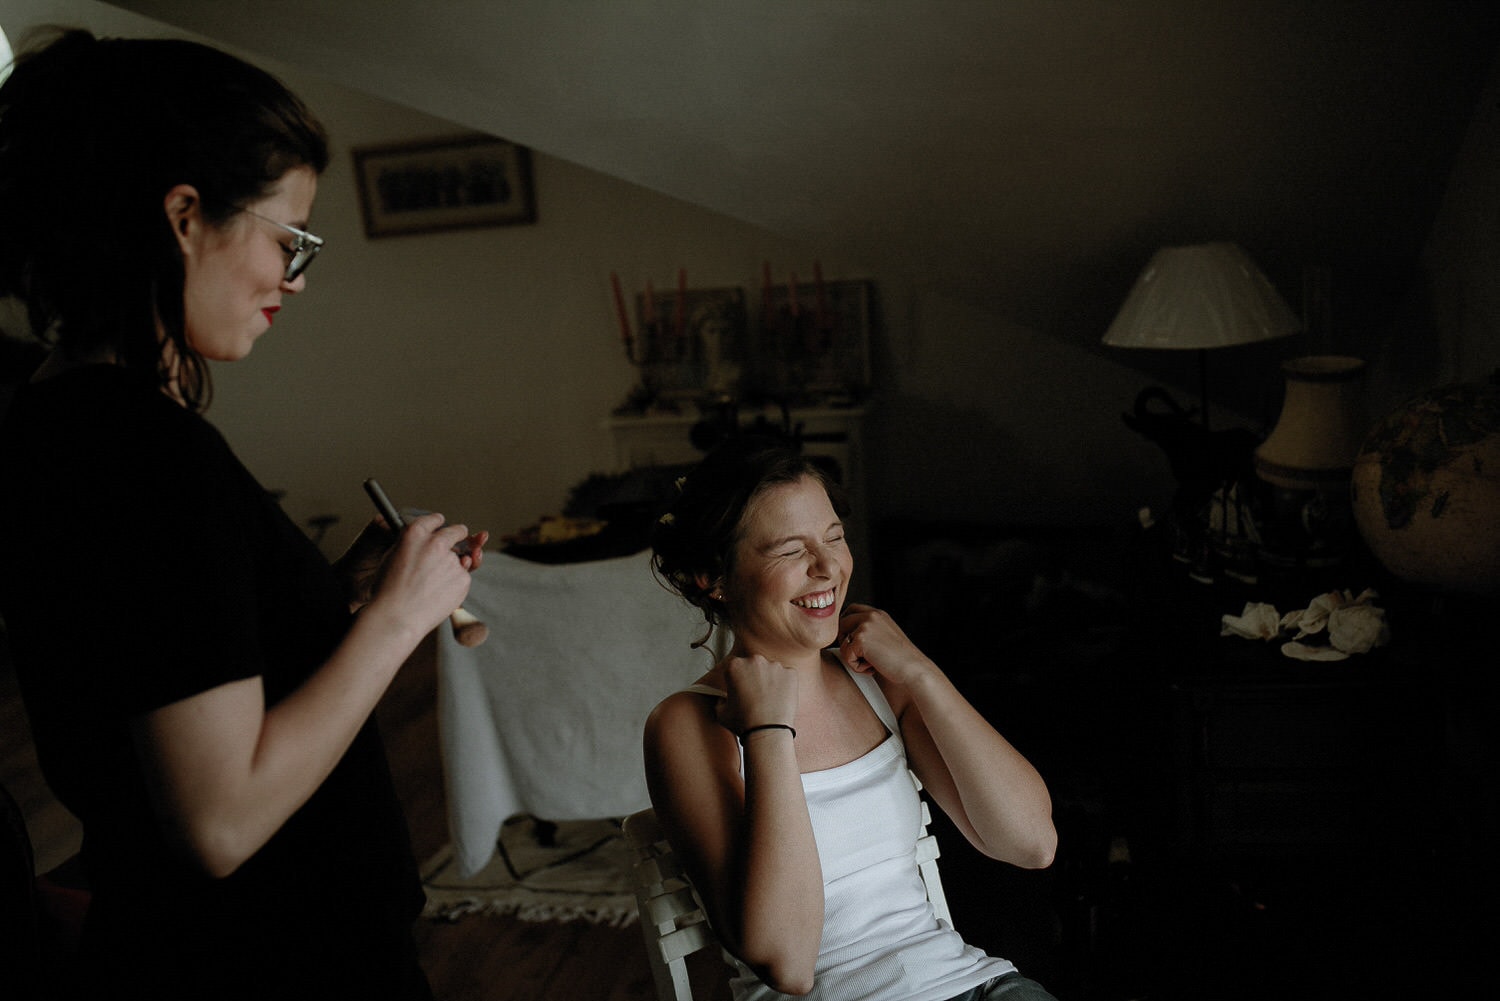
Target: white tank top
{"x": 881, "y": 939}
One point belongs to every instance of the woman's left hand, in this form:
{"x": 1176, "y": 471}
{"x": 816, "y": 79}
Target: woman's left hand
{"x": 870, "y": 640}
{"x": 471, "y": 550}
{"x": 992, "y": 794}
{"x": 359, "y": 565}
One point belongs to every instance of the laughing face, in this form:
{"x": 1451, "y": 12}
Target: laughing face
{"x": 791, "y": 573}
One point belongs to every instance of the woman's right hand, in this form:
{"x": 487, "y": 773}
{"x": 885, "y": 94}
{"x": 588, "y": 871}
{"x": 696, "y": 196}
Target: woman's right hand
{"x": 229, "y": 770}
{"x": 758, "y": 691}
{"x": 423, "y": 579}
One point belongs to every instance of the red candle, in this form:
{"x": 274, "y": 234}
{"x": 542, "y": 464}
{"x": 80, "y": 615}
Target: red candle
{"x": 791, "y": 292}
{"x": 620, "y": 308}
{"x": 822, "y": 314}
{"x": 681, "y": 319}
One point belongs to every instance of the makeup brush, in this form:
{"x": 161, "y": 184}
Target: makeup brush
{"x": 467, "y": 629}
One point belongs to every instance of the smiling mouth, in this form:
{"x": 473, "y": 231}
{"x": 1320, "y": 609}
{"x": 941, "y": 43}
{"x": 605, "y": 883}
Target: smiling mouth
{"x": 823, "y": 599}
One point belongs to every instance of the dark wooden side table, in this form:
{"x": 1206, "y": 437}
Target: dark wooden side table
{"x": 1293, "y": 829}
{"x": 1331, "y": 816}
{"x": 1285, "y": 757}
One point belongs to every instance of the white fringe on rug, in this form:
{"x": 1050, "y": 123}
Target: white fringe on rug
{"x": 582, "y": 875}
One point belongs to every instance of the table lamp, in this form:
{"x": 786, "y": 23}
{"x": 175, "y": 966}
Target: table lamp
{"x": 1200, "y": 297}
{"x": 1307, "y": 462}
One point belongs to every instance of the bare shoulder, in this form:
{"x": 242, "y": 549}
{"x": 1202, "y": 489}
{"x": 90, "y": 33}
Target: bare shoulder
{"x": 685, "y": 717}
{"x": 689, "y": 757}
{"x": 681, "y": 708}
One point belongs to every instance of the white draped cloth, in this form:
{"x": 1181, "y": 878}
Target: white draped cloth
{"x": 545, "y": 717}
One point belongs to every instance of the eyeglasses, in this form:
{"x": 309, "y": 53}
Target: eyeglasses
{"x": 303, "y": 249}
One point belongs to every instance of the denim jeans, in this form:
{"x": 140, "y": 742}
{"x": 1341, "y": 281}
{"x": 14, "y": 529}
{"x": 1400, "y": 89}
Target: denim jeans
{"x": 1010, "y": 987}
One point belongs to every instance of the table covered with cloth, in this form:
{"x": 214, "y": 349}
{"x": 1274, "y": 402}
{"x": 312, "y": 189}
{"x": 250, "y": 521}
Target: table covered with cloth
{"x": 545, "y": 717}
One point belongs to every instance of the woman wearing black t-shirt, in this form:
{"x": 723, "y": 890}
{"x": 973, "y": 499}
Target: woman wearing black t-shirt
{"x": 199, "y": 687}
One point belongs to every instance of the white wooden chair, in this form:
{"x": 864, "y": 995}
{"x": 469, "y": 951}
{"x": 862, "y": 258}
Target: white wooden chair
{"x": 673, "y": 922}
{"x": 927, "y": 856}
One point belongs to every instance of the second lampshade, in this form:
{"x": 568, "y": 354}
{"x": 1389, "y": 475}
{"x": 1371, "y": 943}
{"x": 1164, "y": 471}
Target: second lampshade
{"x": 1209, "y": 295}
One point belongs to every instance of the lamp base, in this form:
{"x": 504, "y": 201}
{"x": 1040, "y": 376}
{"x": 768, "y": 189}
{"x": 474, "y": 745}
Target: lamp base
{"x": 1305, "y": 526}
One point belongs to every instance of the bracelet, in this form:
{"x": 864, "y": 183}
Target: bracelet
{"x": 766, "y": 726}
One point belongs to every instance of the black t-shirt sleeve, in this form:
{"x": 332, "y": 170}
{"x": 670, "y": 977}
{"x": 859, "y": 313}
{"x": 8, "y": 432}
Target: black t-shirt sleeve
{"x": 176, "y": 578}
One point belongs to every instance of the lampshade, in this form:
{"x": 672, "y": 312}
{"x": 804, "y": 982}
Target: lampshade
{"x": 1307, "y": 460}
{"x": 1210, "y": 295}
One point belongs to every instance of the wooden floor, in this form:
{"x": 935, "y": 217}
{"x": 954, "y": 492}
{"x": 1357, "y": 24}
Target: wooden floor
{"x": 476, "y": 958}
{"x": 485, "y": 957}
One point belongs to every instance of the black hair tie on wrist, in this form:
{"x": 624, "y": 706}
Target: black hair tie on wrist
{"x": 766, "y": 726}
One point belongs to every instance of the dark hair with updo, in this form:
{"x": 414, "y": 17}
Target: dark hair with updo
{"x": 93, "y": 134}
{"x": 693, "y": 545}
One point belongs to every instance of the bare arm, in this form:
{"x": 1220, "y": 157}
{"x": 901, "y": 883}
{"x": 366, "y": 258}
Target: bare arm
{"x": 991, "y": 792}
{"x": 228, "y": 772}
{"x": 747, "y": 846}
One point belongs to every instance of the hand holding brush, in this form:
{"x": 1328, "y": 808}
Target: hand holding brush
{"x": 467, "y": 628}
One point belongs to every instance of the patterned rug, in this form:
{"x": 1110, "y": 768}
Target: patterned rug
{"x": 582, "y": 874}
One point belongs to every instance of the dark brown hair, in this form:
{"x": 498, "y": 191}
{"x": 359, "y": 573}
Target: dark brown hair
{"x": 693, "y": 545}
{"x": 93, "y": 134}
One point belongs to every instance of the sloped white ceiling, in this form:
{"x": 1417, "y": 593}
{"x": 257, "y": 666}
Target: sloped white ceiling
{"x": 1027, "y": 155}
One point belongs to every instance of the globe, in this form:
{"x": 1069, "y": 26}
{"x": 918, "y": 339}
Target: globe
{"x": 1425, "y": 489}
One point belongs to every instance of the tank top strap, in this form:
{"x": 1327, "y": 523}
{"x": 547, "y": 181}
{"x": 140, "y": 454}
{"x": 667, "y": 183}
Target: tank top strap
{"x": 870, "y": 689}
{"x": 705, "y": 690}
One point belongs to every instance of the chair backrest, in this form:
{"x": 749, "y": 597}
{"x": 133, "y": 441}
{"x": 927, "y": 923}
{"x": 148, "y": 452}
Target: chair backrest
{"x": 927, "y": 856}
{"x": 672, "y": 919}
{"x": 673, "y": 922}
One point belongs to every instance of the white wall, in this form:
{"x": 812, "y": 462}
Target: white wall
{"x": 986, "y": 421}
{"x": 1461, "y": 342}
{"x": 470, "y": 370}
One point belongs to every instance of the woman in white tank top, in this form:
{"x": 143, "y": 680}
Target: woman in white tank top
{"x": 784, "y": 777}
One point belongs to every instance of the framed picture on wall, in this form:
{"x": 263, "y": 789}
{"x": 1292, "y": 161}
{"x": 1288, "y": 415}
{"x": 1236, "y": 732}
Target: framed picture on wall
{"x": 814, "y": 341}
{"x": 693, "y": 342}
{"x": 439, "y": 184}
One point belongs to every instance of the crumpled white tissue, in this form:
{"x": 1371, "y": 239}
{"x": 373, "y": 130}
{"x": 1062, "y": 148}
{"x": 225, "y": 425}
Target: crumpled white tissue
{"x": 1354, "y": 624}
{"x": 1306, "y": 651}
{"x": 1358, "y": 628}
{"x": 1259, "y": 621}
{"x": 1312, "y": 619}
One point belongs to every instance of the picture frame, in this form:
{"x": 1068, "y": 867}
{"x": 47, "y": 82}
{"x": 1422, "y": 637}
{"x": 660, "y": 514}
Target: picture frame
{"x": 703, "y": 358}
{"x": 455, "y": 182}
{"x": 814, "y": 341}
